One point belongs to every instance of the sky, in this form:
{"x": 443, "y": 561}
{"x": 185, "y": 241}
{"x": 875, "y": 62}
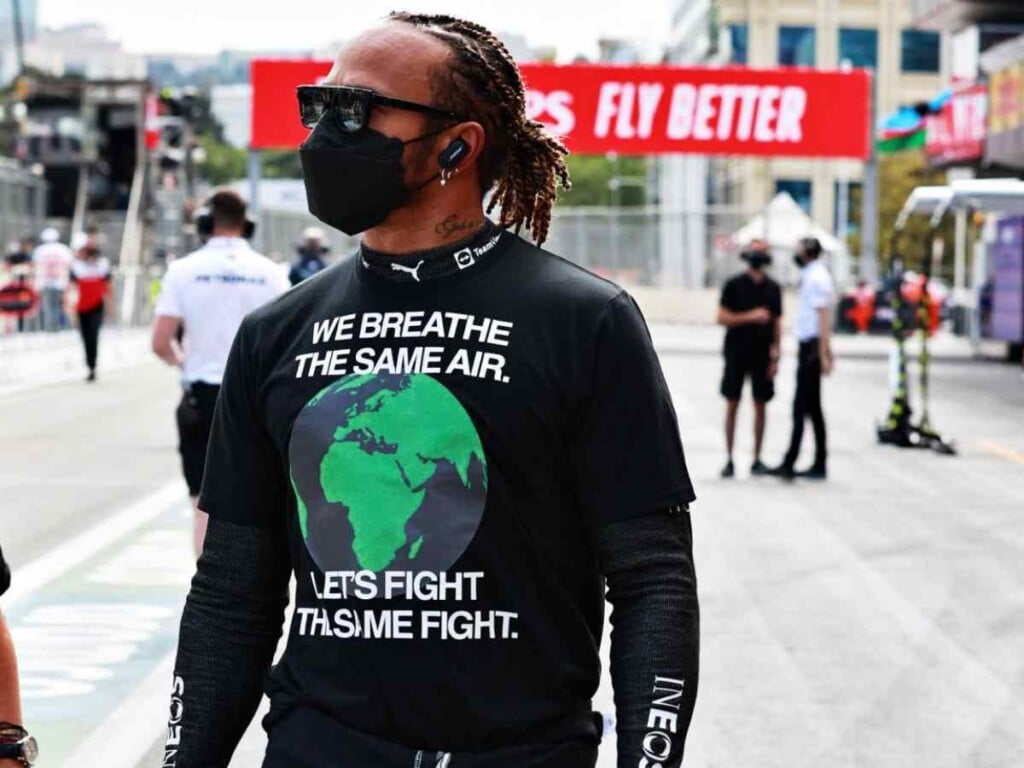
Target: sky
{"x": 209, "y": 26}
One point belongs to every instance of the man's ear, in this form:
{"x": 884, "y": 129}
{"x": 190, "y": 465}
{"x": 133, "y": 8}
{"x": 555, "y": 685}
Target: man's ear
{"x": 462, "y": 146}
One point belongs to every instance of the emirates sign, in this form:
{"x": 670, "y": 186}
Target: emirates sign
{"x": 645, "y": 110}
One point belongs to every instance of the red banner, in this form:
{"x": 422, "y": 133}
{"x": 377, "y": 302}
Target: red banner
{"x": 18, "y": 299}
{"x": 957, "y": 133}
{"x": 644, "y": 110}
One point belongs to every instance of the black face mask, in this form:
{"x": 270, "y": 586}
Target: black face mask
{"x": 757, "y": 259}
{"x": 354, "y": 180}
{"x": 799, "y": 260}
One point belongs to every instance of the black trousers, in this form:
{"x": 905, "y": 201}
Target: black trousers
{"x": 307, "y": 738}
{"x": 807, "y": 404}
{"x": 89, "y": 323}
{"x": 195, "y": 420}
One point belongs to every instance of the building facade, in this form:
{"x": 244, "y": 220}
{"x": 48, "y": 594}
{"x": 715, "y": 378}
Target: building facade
{"x": 822, "y": 34}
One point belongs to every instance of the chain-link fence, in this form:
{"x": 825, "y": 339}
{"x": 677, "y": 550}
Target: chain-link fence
{"x": 140, "y": 286}
{"x": 647, "y": 246}
{"x": 22, "y": 203}
{"x": 650, "y": 247}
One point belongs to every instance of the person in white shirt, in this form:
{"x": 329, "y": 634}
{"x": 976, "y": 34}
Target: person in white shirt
{"x": 52, "y": 260}
{"x": 207, "y": 293}
{"x": 814, "y": 332}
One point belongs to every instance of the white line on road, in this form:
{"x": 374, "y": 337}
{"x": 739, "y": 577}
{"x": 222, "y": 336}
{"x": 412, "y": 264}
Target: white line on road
{"x": 62, "y": 558}
{"x": 133, "y": 726}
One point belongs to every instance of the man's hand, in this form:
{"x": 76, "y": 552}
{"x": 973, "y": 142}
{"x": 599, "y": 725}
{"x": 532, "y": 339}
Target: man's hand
{"x": 773, "y": 369}
{"x": 827, "y": 362}
{"x": 759, "y": 315}
{"x": 164, "y": 343}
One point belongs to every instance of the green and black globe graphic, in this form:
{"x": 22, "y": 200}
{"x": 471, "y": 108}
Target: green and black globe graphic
{"x": 388, "y": 474}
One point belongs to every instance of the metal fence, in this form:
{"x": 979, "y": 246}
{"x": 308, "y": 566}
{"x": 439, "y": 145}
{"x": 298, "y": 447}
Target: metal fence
{"x": 22, "y": 202}
{"x": 134, "y": 299}
{"x": 647, "y": 246}
{"x": 643, "y": 246}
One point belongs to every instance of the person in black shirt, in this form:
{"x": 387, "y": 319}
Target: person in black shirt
{"x": 458, "y": 442}
{"x": 751, "y": 310}
{"x": 20, "y": 258}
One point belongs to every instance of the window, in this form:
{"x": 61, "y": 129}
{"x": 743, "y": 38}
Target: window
{"x": 798, "y": 189}
{"x": 859, "y": 47}
{"x": 919, "y": 51}
{"x": 854, "y": 194}
{"x": 738, "y": 43}
{"x": 796, "y": 46}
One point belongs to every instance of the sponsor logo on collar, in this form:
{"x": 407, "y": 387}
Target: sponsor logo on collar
{"x": 467, "y": 256}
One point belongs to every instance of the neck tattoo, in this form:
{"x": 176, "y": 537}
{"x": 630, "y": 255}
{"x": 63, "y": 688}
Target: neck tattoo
{"x": 414, "y": 271}
{"x": 452, "y": 225}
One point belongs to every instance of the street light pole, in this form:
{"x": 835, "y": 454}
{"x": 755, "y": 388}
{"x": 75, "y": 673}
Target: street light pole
{"x": 19, "y": 37}
{"x": 868, "y": 267}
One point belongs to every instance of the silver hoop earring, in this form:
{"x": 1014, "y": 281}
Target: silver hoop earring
{"x": 446, "y": 173}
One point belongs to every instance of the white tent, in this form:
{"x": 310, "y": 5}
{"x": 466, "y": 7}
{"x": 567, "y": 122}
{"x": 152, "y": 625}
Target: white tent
{"x": 782, "y": 224}
{"x": 925, "y": 200}
{"x": 1004, "y": 196}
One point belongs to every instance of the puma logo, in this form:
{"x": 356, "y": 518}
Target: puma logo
{"x": 414, "y": 271}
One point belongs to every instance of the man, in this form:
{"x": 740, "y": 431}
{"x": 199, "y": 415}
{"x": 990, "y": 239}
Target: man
{"x": 91, "y": 277}
{"x": 52, "y": 261}
{"x": 206, "y": 294}
{"x": 19, "y": 256}
{"x": 310, "y": 256}
{"x": 813, "y": 332}
{"x": 751, "y": 310}
{"x": 455, "y": 440}
{"x": 17, "y": 748}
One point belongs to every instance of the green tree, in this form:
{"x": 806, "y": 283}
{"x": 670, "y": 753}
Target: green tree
{"x": 224, "y": 163}
{"x": 591, "y": 174}
{"x": 282, "y": 164}
{"x": 898, "y": 174}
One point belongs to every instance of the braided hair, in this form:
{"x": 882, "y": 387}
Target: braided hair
{"x": 522, "y": 161}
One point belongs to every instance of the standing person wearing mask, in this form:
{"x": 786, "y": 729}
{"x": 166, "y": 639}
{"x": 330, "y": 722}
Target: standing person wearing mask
{"x": 52, "y": 261}
{"x": 751, "y": 310}
{"x": 456, "y": 441}
{"x": 207, "y": 293}
{"x": 91, "y": 278}
{"x": 310, "y": 256}
{"x": 814, "y": 333}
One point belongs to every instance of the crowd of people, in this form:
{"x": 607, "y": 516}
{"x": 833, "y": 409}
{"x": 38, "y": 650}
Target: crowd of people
{"x": 71, "y": 285}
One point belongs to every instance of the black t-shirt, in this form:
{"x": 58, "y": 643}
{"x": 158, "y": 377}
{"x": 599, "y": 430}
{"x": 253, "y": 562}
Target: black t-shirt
{"x": 440, "y": 449}
{"x": 742, "y": 293}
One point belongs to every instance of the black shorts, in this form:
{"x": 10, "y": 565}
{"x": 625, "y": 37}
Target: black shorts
{"x": 308, "y": 738}
{"x": 195, "y": 418}
{"x": 738, "y": 367}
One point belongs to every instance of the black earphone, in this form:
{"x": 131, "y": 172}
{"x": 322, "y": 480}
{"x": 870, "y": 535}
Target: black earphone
{"x": 450, "y": 155}
{"x": 203, "y": 219}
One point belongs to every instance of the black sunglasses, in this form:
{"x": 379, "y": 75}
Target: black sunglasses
{"x": 353, "y": 105}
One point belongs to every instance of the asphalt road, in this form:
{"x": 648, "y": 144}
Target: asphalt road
{"x": 873, "y": 620}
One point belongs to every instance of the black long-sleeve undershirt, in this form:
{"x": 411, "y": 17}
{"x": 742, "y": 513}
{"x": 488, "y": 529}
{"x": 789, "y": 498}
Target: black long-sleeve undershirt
{"x": 229, "y": 630}
{"x": 655, "y": 648}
